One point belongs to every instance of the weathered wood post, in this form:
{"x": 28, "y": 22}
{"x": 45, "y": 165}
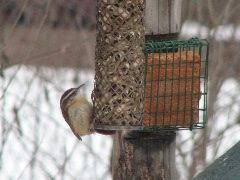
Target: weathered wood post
{"x": 149, "y": 155}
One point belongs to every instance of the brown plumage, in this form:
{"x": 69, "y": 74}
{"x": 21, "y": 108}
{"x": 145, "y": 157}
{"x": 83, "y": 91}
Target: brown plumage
{"x": 77, "y": 112}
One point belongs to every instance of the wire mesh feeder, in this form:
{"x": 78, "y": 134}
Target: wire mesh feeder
{"x": 176, "y": 85}
{"x": 118, "y": 93}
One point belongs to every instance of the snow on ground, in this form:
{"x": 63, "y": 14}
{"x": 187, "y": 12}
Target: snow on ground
{"x": 37, "y": 93}
{"x": 221, "y": 33}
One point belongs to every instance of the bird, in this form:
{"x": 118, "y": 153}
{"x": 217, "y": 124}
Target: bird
{"x": 78, "y": 113}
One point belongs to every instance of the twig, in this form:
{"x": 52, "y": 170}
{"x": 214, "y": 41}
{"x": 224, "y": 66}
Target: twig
{"x": 31, "y": 49}
{"x": 4, "y": 44}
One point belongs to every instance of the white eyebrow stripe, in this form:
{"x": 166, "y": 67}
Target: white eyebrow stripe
{"x": 70, "y": 93}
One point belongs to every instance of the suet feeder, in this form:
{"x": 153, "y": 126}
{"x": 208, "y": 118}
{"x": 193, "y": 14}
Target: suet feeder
{"x": 118, "y": 93}
{"x": 176, "y": 85}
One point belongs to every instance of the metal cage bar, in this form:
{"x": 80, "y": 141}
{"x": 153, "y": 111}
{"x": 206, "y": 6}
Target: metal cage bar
{"x": 176, "y": 75}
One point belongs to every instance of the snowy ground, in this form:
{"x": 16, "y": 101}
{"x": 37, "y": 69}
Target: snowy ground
{"x": 42, "y": 131}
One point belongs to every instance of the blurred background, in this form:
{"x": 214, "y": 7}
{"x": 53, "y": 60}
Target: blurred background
{"x": 47, "y": 46}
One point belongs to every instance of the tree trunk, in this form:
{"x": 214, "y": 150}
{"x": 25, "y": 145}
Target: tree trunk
{"x": 142, "y": 155}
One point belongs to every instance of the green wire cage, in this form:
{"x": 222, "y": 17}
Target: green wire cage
{"x": 176, "y": 78}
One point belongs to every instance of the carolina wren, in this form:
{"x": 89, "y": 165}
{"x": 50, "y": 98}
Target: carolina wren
{"x": 77, "y": 112}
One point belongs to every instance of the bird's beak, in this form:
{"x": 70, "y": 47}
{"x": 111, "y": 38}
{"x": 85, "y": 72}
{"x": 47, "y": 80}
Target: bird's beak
{"x": 80, "y": 86}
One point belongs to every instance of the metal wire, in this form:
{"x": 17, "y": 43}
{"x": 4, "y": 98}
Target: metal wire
{"x": 176, "y": 85}
{"x": 119, "y": 68}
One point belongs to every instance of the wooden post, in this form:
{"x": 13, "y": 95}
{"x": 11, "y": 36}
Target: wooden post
{"x": 163, "y": 18}
{"x": 149, "y": 155}
{"x": 139, "y": 155}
